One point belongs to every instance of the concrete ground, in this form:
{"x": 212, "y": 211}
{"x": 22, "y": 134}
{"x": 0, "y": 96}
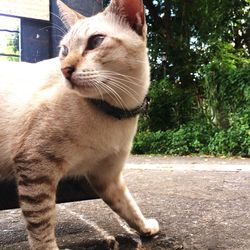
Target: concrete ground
{"x": 200, "y": 203}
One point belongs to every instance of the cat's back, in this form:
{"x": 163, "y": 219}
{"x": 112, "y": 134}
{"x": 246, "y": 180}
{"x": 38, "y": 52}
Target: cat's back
{"x": 24, "y": 79}
{"x": 15, "y": 74}
{"x": 22, "y": 85}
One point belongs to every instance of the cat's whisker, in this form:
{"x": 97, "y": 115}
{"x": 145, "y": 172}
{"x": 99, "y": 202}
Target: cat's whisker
{"x": 60, "y": 18}
{"x": 108, "y": 92}
{"x": 120, "y": 76}
{"x": 57, "y": 16}
{"x": 117, "y": 73}
{"x": 124, "y": 88}
{"x": 60, "y": 36}
{"x": 117, "y": 82}
{"x": 131, "y": 79}
{"x": 129, "y": 94}
{"x": 108, "y": 87}
{"x": 121, "y": 82}
{"x": 118, "y": 99}
{"x": 60, "y": 29}
{"x": 120, "y": 85}
{"x": 56, "y": 27}
{"x": 92, "y": 83}
{"x": 97, "y": 85}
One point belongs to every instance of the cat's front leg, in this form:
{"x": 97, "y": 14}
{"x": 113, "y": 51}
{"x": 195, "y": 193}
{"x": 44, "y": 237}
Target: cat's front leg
{"x": 113, "y": 190}
{"x": 37, "y": 181}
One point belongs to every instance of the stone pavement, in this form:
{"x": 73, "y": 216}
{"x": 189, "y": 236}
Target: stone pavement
{"x": 200, "y": 203}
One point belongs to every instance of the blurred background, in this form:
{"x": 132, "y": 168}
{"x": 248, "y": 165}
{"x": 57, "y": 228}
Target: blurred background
{"x": 199, "y": 52}
{"x": 200, "y": 70}
{"x": 9, "y": 38}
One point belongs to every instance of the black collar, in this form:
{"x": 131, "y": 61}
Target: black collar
{"x": 120, "y": 113}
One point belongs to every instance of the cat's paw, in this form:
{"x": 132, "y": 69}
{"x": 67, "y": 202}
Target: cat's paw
{"x": 151, "y": 228}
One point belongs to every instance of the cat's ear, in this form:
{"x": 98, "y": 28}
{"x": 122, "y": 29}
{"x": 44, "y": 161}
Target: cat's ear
{"x": 133, "y": 12}
{"x": 69, "y": 17}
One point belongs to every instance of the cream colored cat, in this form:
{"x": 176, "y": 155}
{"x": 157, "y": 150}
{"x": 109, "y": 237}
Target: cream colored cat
{"x": 76, "y": 115}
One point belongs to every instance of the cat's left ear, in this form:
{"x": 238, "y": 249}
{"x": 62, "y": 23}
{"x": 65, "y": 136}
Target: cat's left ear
{"x": 133, "y": 11}
{"x": 68, "y": 15}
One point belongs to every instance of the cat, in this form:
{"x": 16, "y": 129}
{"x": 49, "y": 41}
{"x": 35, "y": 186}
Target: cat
{"x": 76, "y": 115}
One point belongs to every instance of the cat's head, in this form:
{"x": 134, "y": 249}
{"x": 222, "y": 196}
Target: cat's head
{"x": 105, "y": 56}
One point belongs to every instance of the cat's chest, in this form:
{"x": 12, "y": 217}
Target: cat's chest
{"x": 96, "y": 137}
{"x": 100, "y": 140}
{"x": 73, "y": 130}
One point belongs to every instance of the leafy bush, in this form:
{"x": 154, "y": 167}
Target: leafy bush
{"x": 198, "y": 138}
{"x": 170, "y": 106}
{"x": 190, "y": 138}
{"x": 235, "y": 140}
{"x": 218, "y": 124}
{"x": 226, "y": 81}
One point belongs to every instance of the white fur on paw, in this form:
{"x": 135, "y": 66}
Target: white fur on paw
{"x": 151, "y": 227}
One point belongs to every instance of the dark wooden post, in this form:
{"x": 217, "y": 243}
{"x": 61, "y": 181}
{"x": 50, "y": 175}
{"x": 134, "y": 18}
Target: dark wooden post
{"x": 35, "y": 40}
{"x": 40, "y": 39}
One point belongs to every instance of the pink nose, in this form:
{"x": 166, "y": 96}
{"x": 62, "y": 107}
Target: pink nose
{"x": 68, "y": 71}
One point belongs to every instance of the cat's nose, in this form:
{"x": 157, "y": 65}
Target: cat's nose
{"x": 68, "y": 71}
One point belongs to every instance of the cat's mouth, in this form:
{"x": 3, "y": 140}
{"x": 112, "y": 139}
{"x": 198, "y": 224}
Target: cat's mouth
{"x": 80, "y": 85}
{"x": 83, "y": 80}
{"x": 75, "y": 84}
{"x": 88, "y": 83}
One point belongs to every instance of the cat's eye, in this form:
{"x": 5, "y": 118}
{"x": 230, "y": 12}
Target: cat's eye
{"x": 65, "y": 50}
{"x": 94, "y": 42}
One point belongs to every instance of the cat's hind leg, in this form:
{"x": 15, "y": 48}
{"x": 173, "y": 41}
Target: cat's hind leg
{"x": 109, "y": 184}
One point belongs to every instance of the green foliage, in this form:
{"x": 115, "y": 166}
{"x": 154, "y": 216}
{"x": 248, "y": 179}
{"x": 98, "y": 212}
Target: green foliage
{"x": 198, "y": 137}
{"x": 226, "y": 78}
{"x": 13, "y": 47}
{"x": 168, "y": 102}
{"x": 200, "y": 92}
{"x": 235, "y": 140}
{"x": 10, "y": 46}
{"x": 190, "y": 138}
